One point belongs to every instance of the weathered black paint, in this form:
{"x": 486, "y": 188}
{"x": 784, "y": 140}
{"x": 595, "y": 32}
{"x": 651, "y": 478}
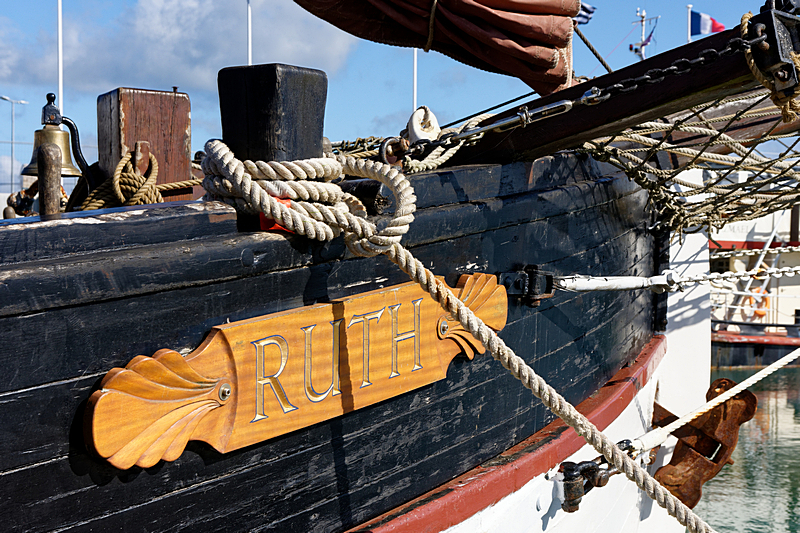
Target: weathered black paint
{"x": 272, "y": 112}
{"x": 79, "y": 298}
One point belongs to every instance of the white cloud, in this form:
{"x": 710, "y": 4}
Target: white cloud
{"x": 160, "y": 43}
{"x": 6, "y": 185}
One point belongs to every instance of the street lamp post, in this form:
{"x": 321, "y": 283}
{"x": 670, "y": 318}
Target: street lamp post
{"x": 249, "y": 35}
{"x": 11, "y": 175}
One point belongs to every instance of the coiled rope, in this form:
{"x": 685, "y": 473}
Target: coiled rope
{"x": 127, "y": 187}
{"x": 244, "y": 184}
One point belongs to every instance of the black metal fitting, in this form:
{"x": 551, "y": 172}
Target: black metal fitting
{"x": 781, "y": 30}
{"x": 576, "y": 477}
{"x": 580, "y": 478}
{"x": 787, "y": 6}
{"x": 529, "y": 284}
{"x": 51, "y": 114}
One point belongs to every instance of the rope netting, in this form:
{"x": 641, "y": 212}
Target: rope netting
{"x": 746, "y": 151}
{"x": 745, "y": 145}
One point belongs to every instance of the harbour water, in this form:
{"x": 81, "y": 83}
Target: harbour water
{"x": 760, "y": 492}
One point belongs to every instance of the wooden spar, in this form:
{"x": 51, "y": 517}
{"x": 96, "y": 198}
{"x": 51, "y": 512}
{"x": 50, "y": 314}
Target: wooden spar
{"x": 726, "y": 76}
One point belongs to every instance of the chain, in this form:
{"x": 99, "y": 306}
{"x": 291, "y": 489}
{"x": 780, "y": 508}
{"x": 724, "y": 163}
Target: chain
{"x": 677, "y": 68}
{"x": 758, "y": 273}
{"x": 748, "y": 253}
{"x": 594, "y": 96}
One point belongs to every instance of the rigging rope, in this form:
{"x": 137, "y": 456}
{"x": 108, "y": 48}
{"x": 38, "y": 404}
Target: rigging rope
{"x": 592, "y": 49}
{"x": 659, "y": 435}
{"x": 692, "y": 143}
{"x": 786, "y": 103}
{"x": 230, "y": 180}
{"x": 441, "y": 154}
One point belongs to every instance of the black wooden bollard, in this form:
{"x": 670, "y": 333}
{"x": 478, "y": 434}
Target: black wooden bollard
{"x": 271, "y": 113}
{"x": 48, "y": 161}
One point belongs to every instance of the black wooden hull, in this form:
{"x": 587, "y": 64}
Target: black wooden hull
{"x": 81, "y": 296}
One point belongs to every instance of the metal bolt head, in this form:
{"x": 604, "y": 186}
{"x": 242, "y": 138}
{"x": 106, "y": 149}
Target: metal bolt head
{"x": 443, "y": 327}
{"x": 225, "y": 392}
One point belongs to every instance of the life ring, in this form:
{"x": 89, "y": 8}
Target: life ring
{"x": 758, "y": 308}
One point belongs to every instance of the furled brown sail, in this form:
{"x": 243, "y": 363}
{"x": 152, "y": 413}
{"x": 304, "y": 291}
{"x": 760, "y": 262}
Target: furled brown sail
{"x": 528, "y": 39}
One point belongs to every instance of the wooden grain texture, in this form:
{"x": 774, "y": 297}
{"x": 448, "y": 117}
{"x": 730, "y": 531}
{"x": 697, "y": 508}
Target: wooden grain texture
{"x": 162, "y": 118}
{"x": 48, "y": 161}
{"x": 336, "y": 473}
{"x": 254, "y": 380}
{"x": 166, "y": 266}
{"x": 29, "y": 239}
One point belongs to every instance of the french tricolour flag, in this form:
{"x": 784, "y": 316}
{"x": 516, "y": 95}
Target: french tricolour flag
{"x": 702, "y": 24}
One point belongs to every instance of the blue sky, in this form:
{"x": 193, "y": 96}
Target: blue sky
{"x": 157, "y": 44}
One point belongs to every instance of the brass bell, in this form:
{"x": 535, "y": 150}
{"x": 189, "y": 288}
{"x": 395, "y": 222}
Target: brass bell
{"x": 52, "y": 134}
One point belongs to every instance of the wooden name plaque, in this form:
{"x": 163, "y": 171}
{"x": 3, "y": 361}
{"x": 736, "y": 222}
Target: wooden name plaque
{"x": 259, "y": 378}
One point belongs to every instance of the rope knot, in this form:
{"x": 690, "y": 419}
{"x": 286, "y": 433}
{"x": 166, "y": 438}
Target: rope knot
{"x": 132, "y": 188}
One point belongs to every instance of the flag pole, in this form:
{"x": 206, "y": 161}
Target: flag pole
{"x": 249, "y": 35}
{"x": 414, "y": 84}
{"x": 689, "y": 23}
{"x": 60, "y": 61}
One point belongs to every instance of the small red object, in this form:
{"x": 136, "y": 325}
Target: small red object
{"x": 269, "y": 224}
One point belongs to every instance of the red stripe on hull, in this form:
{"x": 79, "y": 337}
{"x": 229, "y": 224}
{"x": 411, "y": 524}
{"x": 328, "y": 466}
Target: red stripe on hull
{"x": 734, "y": 338}
{"x": 746, "y": 245}
{"x": 454, "y": 502}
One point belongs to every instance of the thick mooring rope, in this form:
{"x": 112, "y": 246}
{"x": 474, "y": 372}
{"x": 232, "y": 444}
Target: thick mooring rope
{"x": 230, "y": 180}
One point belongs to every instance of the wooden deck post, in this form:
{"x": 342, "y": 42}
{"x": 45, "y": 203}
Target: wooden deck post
{"x": 161, "y": 118}
{"x": 272, "y": 112}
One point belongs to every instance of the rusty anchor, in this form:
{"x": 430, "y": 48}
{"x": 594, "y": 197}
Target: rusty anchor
{"x": 705, "y": 444}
